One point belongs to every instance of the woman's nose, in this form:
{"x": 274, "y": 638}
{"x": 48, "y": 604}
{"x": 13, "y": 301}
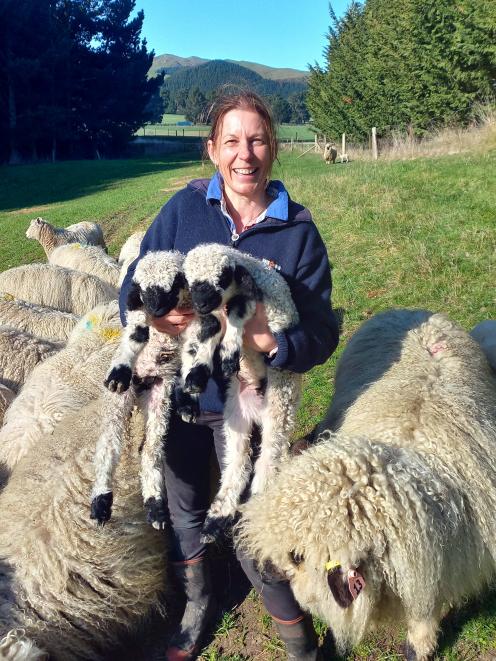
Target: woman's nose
{"x": 244, "y": 150}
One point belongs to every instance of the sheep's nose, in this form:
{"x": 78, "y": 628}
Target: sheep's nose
{"x": 205, "y": 297}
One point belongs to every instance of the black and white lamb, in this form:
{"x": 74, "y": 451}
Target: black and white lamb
{"x": 221, "y": 277}
{"x": 143, "y": 369}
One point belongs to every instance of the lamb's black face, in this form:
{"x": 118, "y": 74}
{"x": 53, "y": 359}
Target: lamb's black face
{"x": 158, "y": 301}
{"x": 206, "y": 296}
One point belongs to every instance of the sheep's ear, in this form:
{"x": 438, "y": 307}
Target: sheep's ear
{"x": 339, "y": 587}
{"x": 226, "y": 277}
{"x": 245, "y": 281}
{"x": 179, "y": 282}
{"x": 134, "y": 301}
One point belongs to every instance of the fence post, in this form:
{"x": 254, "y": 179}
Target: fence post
{"x": 343, "y": 143}
{"x": 292, "y": 144}
{"x": 183, "y": 133}
{"x": 316, "y": 144}
{"x": 374, "y": 143}
{"x": 296, "y": 138}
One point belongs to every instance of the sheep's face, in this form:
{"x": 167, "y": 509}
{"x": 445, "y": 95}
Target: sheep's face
{"x": 33, "y": 230}
{"x": 158, "y": 284}
{"x": 211, "y": 283}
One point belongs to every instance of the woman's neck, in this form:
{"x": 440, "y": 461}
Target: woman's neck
{"x": 244, "y": 210}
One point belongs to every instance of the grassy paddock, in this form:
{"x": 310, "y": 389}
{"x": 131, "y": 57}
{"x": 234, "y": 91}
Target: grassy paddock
{"x": 419, "y": 233}
{"x": 169, "y": 128}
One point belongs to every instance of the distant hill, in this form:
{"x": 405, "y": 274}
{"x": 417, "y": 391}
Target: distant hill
{"x": 172, "y": 63}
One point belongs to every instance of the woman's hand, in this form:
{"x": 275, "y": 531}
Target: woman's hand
{"x": 174, "y": 322}
{"x": 257, "y": 334}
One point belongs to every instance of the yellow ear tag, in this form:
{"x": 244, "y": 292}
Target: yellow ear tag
{"x": 8, "y": 297}
{"x": 332, "y": 564}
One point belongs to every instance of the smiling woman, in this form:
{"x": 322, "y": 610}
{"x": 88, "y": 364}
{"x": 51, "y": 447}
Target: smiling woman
{"x": 242, "y": 208}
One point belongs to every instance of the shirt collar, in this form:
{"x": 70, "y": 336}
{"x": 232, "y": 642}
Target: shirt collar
{"x": 277, "y": 209}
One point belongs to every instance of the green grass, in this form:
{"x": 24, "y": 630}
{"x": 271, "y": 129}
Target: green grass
{"x": 409, "y": 234}
{"x": 169, "y": 128}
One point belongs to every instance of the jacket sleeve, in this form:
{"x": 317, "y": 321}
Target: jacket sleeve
{"x": 159, "y": 236}
{"x": 316, "y": 336}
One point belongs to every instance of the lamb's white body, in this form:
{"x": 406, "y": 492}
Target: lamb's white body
{"x": 87, "y": 259}
{"x": 401, "y": 487}
{"x": 20, "y": 352}
{"x": 218, "y": 268}
{"x": 67, "y": 588}
{"x": 50, "y": 237}
{"x": 62, "y": 384}
{"x": 44, "y": 322}
{"x": 56, "y": 287}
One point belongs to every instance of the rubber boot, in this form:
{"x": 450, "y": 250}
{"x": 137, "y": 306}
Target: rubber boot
{"x": 194, "y": 578}
{"x": 300, "y": 639}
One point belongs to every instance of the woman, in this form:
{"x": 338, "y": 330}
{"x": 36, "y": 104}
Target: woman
{"x": 239, "y": 207}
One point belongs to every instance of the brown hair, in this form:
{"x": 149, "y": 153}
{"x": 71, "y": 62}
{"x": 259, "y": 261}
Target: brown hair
{"x": 246, "y": 100}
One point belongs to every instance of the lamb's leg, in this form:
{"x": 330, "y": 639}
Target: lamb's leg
{"x": 278, "y": 420}
{"x": 239, "y": 309}
{"x": 422, "y": 639}
{"x": 236, "y": 469}
{"x": 198, "y": 352}
{"x": 134, "y": 338}
{"x": 116, "y": 412}
{"x": 156, "y": 407}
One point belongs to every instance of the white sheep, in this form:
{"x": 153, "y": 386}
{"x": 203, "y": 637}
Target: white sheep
{"x": 143, "y": 369}
{"x": 391, "y": 513}
{"x": 6, "y": 397}
{"x": 50, "y": 237}
{"x": 56, "y": 287}
{"x": 221, "y": 276}
{"x": 330, "y": 153}
{"x": 485, "y": 334}
{"x": 129, "y": 252}
{"x": 62, "y": 384}
{"x": 20, "y": 352}
{"x": 88, "y": 259}
{"x": 67, "y": 590}
{"x": 44, "y": 322}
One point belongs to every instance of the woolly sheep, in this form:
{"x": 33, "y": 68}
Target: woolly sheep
{"x": 50, "y": 237}
{"x": 220, "y": 276}
{"x": 66, "y": 588}
{"x": 44, "y": 322}
{"x": 56, "y": 287}
{"x": 6, "y": 397}
{"x": 330, "y": 153}
{"x": 88, "y": 259}
{"x": 485, "y": 334}
{"x": 392, "y": 512}
{"x": 20, "y": 352}
{"x": 143, "y": 368}
{"x": 62, "y": 384}
{"x": 129, "y": 252}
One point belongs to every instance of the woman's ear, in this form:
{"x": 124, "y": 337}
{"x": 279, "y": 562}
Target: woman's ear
{"x": 211, "y": 152}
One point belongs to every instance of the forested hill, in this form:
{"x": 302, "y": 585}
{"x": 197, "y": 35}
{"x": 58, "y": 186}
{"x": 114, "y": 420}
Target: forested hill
{"x": 211, "y": 75}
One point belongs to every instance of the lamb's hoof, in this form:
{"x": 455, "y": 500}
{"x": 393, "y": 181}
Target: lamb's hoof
{"x": 196, "y": 381}
{"x": 119, "y": 379}
{"x": 230, "y": 365}
{"x": 188, "y": 414}
{"x": 101, "y": 508}
{"x": 214, "y": 529}
{"x": 409, "y": 653}
{"x": 156, "y": 513}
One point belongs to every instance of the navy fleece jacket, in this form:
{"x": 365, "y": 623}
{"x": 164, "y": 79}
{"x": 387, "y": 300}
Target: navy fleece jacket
{"x": 290, "y": 244}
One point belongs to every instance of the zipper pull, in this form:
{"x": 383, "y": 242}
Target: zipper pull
{"x": 234, "y": 237}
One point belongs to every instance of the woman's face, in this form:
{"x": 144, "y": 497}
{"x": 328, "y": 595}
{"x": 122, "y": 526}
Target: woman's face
{"x": 242, "y": 154}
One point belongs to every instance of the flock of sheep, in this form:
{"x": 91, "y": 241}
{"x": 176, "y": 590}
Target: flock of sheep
{"x": 389, "y": 511}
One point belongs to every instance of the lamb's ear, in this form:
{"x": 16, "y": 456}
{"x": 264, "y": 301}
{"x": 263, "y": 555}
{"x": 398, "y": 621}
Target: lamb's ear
{"x": 134, "y": 301}
{"x": 179, "y": 282}
{"x": 226, "y": 277}
{"x": 245, "y": 281}
{"x": 339, "y": 587}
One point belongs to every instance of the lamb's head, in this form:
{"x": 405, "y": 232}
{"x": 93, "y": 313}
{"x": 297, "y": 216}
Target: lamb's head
{"x": 33, "y": 231}
{"x": 212, "y": 274}
{"x": 158, "y": 283}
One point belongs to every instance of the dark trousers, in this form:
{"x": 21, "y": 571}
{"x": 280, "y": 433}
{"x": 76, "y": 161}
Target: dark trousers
{"x": 188, "y": 452}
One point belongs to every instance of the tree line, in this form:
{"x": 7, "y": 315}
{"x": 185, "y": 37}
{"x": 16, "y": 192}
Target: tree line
{"x": 73, "y": 78}
{"x": 404, "y": 64}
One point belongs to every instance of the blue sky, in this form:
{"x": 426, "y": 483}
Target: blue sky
{"x": 278, "y": 33}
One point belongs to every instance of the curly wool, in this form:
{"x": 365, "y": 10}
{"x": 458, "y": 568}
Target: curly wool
{"x": 87, "y": 259}
{"x": 6, "y": 397}
{"x": 62, "y": 384}
{"x": 20, "y": 352}
{"x": 401, "y": 486}
{"x": 44, "y": 322}
{"x": 71, "y": 587}
{"x": 50, "y": 237}
{"x": 129, "y": 252}
{"x": 56, "y": 287}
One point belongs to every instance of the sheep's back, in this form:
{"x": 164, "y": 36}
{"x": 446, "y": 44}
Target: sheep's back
{"x": 44, "y": 322}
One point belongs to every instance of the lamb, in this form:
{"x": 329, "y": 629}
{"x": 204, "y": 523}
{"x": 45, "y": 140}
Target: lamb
{"x": 46, "y": 323}
{"x": 330, "y": 153}
{"x": 6, "y": 397}
{"x": 129, "y": 252}
{"x": 143, "y": 368}
{"x": 20, "y": 352}
{"x": 62, "y": 384}
{"x": 485, "y": 334}
{"x": 220, "y": 276}
{"x": 56, "y": 287}
{"x": 391, "y": 513}
{"x": 88, "y": 259}
{"x": 67, "y": 590}
{"x": 50, "y": 237}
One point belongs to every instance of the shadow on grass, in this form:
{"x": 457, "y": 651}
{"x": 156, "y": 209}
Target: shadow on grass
{"x": 27, "y": 186}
